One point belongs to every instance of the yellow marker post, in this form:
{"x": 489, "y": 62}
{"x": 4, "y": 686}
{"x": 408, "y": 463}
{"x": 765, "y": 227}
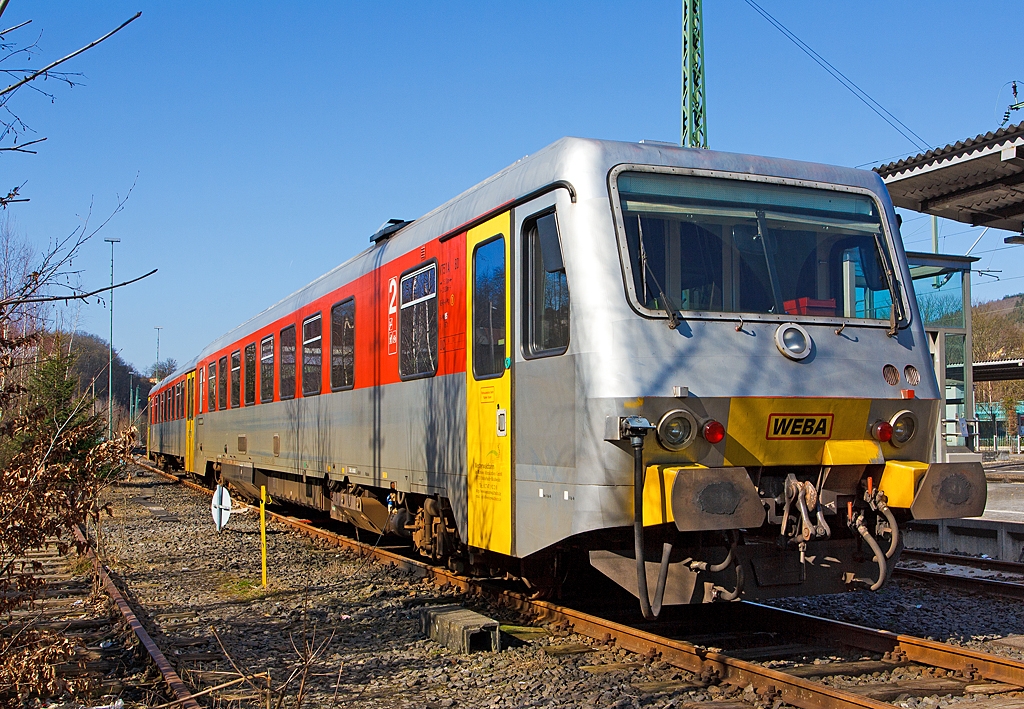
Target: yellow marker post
{"x": 263, "y": 530}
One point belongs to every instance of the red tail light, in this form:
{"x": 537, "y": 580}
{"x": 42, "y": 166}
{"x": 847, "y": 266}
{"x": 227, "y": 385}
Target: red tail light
{"x": 713, "y": 431}
{"x": 882, "y": 431}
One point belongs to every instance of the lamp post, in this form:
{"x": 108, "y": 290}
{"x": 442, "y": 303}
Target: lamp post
{"x": 156, "y": 369}
{"x": 110, "y": 347}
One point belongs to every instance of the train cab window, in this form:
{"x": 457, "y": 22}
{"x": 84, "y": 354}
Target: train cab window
{"x": 546, "y": 291}
{"x": 211, "y": 388}
{"x": 236, "y": 379}
{"x": 343, "y": 345}
{"x": 250, "y": 374}
{"x": 222, "y": 383}
{"x": 267, "y": 369}
{"x": 489, "y": 333}
{"x": 288, "y": 362}
{"x": 721, "y": 245}
{"x": 312, "y": 355}
{"x": 417, "y": 329}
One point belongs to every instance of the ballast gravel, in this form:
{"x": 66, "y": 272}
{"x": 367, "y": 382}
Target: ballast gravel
{"x": 359, "y": 621}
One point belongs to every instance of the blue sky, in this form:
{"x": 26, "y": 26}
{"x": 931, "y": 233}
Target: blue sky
{"x": 267, "y": 141}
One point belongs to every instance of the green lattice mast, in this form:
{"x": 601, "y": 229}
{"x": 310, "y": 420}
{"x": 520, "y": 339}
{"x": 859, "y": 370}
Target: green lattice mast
{"x": 693, "y": 126}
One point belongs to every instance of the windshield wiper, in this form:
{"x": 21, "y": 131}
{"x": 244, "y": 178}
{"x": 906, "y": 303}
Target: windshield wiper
{"x": 894, "y": 287}
{"x": 769, "y": 262}
{"x": 673, "y": 317}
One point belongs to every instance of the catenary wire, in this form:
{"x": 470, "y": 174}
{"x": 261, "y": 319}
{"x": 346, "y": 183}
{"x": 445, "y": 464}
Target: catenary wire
{"x": 901, "y": 127}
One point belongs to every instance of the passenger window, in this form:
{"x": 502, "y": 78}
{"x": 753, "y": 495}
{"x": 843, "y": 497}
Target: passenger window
{"x": 489, "y": 309}
{"x": 288, "y": 362}
{"x": 211, "y": 388}
{"x": 202, "y": 388}
{"x": 267, "y": 369}
{"x": 236, "y": 378}
{"x": 222, "y": 384}
{"x": 546, "y": 291}
{"x": 181, "y": 400}
{"x": 312, "y": 355}
{"x": 190, "y": 398}
{"x": 250, "y": 374}
{"x": 343, "y": 345}
{"x": 177, "y": 400}
{"x": 417, "y": 331}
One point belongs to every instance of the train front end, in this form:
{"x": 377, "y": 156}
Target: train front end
{"x": 773, "y": 388}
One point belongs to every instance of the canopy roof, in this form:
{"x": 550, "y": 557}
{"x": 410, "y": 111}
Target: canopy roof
{"x": 978, "y": 181}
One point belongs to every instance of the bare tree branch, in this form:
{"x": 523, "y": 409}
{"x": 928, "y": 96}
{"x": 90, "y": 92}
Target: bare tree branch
{"x": 16, "y": 27}
{"x": 51, "y": 65}
{"x": 21, "y": 149}
{"x": 75, "y": 296}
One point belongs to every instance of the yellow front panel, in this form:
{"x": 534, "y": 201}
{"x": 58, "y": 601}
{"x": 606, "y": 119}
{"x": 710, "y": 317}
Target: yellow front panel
{"x": 791, "y": 431}
{"x": 658, "y": 484}
{"x": 190, "y": 424}
{"x": 488, "y": 455}
{"x": 899, "y": 481}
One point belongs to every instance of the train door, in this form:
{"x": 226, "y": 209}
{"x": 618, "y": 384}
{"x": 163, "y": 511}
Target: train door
{"x": 190, "y": 422}
{"x": 490, "y": 484}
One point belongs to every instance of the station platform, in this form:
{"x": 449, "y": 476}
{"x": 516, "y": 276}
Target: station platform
{"x": 997, "y": 534}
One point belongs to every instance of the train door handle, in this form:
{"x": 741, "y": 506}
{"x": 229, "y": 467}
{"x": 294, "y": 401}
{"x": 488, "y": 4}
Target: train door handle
{"x": 502, "y": 422}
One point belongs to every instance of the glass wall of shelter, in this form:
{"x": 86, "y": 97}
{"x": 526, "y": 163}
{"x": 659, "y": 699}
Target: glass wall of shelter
{"x": 942, "y": 284}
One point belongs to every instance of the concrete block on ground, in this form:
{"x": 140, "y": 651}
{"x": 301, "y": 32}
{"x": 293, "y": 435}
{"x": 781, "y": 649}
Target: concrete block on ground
{"x": 460, "y": 629}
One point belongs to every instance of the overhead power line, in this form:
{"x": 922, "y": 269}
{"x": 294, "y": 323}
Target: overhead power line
{"x": 901, "y": 127}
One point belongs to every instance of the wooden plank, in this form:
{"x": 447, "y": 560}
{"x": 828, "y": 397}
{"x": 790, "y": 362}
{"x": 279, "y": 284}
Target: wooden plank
{"x": 567, "y": 649}
{"x": 830, "y": 669}
{"x": 611, "y": 667}
{"x": 666, "y": 686}
{"x": 772, "y": 652}
{"x": 914, "y": 687}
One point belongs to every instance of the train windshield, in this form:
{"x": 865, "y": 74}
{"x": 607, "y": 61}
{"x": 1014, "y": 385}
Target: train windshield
{"x": 730, "y": 246}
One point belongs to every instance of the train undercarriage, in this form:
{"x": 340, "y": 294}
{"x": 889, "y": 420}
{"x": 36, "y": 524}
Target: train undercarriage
{"x": 819, "y": 530}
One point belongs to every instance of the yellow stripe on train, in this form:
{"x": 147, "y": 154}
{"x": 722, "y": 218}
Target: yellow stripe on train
{"x": 796, "y": 431}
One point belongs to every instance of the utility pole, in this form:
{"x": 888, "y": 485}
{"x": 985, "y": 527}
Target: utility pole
{"x": 156, "y": 369}
{"x": 693, "y": 128}
{"x": 110, "y": 347}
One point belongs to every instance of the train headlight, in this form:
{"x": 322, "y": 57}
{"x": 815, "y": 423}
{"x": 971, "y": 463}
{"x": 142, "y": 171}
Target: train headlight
{"x": 793, "y": 341}
{"x": 904, "y": 427}
{"x": 677, "y": 429}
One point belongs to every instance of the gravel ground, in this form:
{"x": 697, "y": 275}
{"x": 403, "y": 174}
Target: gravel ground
{"x": 359, "y": 619}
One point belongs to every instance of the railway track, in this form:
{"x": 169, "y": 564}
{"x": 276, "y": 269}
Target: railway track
{"x": 74, "y": 604}
{"x": 779, "y": 656}
{"x": 962, "y": 572}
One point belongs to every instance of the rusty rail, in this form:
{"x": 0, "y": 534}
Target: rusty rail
{"x": 171, "y": 678}
{"x": 797, "y": 691}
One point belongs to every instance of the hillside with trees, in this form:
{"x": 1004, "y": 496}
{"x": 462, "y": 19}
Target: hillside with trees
{"x": 998, "y": 332}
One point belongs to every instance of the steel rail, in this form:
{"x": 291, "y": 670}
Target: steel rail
{"x": 964, "y": 583}
{"x": 794, "y": 690}
{"x": 185, "y": 700}
{"x": 963, "y": 560}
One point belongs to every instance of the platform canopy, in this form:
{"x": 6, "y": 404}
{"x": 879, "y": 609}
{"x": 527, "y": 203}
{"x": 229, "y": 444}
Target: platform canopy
{"x": 999, "y": 370}
{"x": 978, "y": 181}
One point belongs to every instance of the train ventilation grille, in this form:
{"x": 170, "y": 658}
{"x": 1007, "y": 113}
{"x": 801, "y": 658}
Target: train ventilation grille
{"x": 891, "y": 374}
{"x": 912, "y": 375}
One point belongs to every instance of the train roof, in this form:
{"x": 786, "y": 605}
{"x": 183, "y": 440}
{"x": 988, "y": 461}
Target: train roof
{"x": 582, "y": 162}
